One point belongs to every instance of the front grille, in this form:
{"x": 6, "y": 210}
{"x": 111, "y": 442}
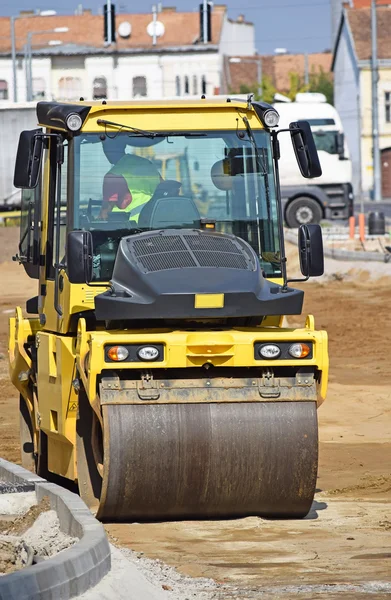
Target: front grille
{"x": 212, "y": 243}
{"x": 156, "y": 243}
{"x": 226, "y": 260}
{"x": 167, "y": 260}
{"x": 160, "y": 252}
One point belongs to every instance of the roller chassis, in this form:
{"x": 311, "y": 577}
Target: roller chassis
{"x": 185, "y": 377}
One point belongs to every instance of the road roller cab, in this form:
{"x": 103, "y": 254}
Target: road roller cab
{"x": 154, "y": 367}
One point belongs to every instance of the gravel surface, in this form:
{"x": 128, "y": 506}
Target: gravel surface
{"x": 17, "y": 503}
{"x": 46, "y": 537}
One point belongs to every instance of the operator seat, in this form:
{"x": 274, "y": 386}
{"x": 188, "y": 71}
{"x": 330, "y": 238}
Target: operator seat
{"x": 167, "y": 209}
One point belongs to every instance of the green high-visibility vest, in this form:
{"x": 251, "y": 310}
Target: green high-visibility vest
{"x": 141, "y": 177}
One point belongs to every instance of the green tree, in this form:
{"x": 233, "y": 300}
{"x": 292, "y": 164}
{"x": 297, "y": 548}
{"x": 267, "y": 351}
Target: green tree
{"x": 268, "y": 89}
{"x": 296, "y": 86}
{"x": 322, "y": 82}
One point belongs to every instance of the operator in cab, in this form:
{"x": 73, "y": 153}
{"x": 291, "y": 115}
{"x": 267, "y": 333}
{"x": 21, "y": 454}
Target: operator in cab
{"x": 131, "y": 181}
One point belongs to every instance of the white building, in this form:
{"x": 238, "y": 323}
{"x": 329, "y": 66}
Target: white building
{"x": 353, "y": 97}
{"x": 79, "y": 63}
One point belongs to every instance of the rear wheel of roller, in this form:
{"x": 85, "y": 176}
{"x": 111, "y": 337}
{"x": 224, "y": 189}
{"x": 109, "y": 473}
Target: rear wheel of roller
{"x": 169, "y": 461}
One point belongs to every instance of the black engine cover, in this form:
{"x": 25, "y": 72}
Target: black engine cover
{"x": 157, "y": 275}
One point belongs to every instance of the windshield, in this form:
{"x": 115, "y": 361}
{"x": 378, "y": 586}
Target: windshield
{"x": 326, "y": 141}
{"x": 125, "y": 184}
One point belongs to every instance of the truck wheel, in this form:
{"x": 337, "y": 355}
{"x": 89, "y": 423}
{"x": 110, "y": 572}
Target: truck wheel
{"x": 302, "y": 211}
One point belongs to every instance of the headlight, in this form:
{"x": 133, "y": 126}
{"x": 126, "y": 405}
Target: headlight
{"x": 299, "y": 350}
{"x": 118, "y": 353}
{"x": 269, "y": 351}
{"x": 148, "y": 353}
{"x": 271, "y": 118}
{"x": 74, "y": 122}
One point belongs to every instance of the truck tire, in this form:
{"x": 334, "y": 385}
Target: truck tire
{"x": 303, "y": 211}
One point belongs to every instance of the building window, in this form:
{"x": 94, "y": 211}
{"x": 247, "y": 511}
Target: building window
{"x": 195, "y": 85}
{"x": 3, "y": 90}
{"x": 99, "y": 88}
{"x": 70, "y": 88}
{"x": 38, "y": 88}
{"x": 203, "y": 85}
{"x": 186, "y": 85}
{"x": 387, "y": 98}
{"x": 139, "y": 86}
{"x": 177, "y": 85}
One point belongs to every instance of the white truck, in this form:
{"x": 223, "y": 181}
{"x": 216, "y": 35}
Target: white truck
{"x": 331, "y": 195}
{"x": 14, "y": 118}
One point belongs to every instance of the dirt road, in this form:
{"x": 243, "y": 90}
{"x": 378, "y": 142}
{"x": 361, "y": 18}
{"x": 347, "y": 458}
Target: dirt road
{"x": 346, "y": 539}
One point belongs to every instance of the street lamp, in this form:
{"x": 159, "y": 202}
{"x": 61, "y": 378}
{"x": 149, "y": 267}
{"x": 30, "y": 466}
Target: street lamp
{"x": 29, "y": 67}
{"x": 236, "y": 60}
{"x": 44, "y": 13}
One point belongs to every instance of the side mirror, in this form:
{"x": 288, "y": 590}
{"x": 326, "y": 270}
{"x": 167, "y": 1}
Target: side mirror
{"x": 305, "y": 149}
{"x": 79, "y": 256}
{"x": 311, "y": 250}
{"x": 341, "y": 146}
{"x": 28, "y": 159}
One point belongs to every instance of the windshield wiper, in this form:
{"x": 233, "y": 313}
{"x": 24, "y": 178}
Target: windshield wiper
{"x": 150, "y": 134}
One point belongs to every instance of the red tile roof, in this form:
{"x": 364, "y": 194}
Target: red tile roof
{"x": 278, "y": 68}
{"x": 367, "y": 3}
{"x": 181, "y": 29}
{"x": 360, "y": 25}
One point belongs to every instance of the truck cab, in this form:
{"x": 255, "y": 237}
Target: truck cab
{"x": 331, "y": 195}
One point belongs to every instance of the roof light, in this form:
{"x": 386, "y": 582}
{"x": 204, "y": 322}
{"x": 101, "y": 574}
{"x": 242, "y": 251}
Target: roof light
{"x": 271, "y": 118}
{"x": 74, "y": 122}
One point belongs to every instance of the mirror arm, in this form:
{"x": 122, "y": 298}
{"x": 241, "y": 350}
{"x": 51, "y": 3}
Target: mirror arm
{"x": 298, "y": 280}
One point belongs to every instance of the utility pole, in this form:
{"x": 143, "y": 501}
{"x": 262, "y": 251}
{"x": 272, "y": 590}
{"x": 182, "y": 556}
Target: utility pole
{"x": 306, "y": 70}
{"x": 13, "y": 52}
{"x": 259, "y": 77}
{"x": 377, "y": 192}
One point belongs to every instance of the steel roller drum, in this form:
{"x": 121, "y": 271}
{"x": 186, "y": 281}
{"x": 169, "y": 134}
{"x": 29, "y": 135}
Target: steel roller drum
{"x": 175, "y": 461}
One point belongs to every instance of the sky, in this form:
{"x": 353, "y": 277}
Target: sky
{"x": 298, "y": 25}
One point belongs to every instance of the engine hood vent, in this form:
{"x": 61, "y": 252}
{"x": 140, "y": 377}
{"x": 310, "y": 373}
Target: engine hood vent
{"x": 159, "y": 252}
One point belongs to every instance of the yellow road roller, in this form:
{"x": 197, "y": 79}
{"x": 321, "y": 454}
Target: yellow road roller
{"x": 153, "y": 365}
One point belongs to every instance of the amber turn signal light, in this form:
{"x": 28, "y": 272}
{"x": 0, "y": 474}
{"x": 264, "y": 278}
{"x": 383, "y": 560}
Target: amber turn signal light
{"x": 118, "y": 353}
{"x": 299, "y": 350}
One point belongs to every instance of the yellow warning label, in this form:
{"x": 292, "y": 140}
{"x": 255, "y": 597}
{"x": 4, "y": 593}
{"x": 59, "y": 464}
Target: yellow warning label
{"x": 209, "y": 301}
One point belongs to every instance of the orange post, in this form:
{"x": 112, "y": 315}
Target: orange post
{"x": 352, "y": 227}
{"x": 361, "y": 226}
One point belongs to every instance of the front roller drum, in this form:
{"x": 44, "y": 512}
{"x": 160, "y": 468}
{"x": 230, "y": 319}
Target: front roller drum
{"x": 173, "y": 461}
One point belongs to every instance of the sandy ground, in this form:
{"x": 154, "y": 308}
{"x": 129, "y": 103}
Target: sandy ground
{"x": 346, "y": 539}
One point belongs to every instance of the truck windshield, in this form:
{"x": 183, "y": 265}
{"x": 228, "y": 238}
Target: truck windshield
{"x": 125, "y": 184}
{"x": 326, "y": 141}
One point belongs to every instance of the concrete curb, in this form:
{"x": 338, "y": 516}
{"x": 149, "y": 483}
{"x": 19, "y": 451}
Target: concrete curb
{"x": 348, "y": 255}
{"x": 71, "y": 572}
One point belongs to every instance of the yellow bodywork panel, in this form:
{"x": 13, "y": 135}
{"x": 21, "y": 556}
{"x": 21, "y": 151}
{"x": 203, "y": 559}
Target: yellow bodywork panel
{"x": 20, "y": 363}
{"x": 186, "y": 349}
{"x": 58, "y": 401}
{"x": 170, "y": 115}
{"x": 73, "y": 299}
